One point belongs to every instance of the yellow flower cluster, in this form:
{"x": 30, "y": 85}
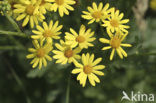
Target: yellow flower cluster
{"x": 69, "y": 49}
{"x": 115, "y": 26}
{"x": 33, "y": 10}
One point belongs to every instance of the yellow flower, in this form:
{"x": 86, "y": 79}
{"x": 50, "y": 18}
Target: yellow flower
{"x": 88, "y": 68}
{"x": 97, "y": 13}
{"x": 83, "y": 39}
{"x": 29, "y": 11}
{"x": 115, "y": 43}
{"x": 63, "y": 6}
{"x": 48, "y": 32}
{"x": 115, "y": 22}
{"x": 153, "y": 4}
{"x": 44, "y": 5}
{"x": 39, "y": 53}
{"x": 66, "y": 53}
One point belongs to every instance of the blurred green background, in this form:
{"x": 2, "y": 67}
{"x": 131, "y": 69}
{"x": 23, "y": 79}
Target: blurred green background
{"x": 19, "y": 83}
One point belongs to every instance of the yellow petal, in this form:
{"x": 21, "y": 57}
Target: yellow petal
{"x": 40, "y": 64}
{"x": 95, "y": 78}
{"x": 75, "y": 71}
{"x": 119, "y": 53}
{"x": 100, "y": 6}
{"x": 106, "y": 6}
{"x": 77, "y": 64}
{"x": 83, "y": 80}
{"x": 94, "y": 6}
{"x": 30, "y": 56}
{"x": 84, "y": 61}
{"x": 103, "y": 40}
{"x": 20, "y": 17}
{"x": 80, "y": 76}
{"x": 106, "y": 48}
{"x": 45, "y": 26}
{"x": 112, "y": 54}
{"x": 36, "y": 63}
{"x": 73, "y": 32}
{"x": 124, "y": 21}
{"x": 91, "y": 80}
{"x": 44, "y": 62}
{"x": 98, "y": 60}
{"x": 40, "y": 28}
{"x": 26, "y": 20}
{"x": 32, "y": 50}
{"x": 91, "y": 58}
{"x": 98, "y": 72}
{"x": 99, "y": 67}
{"x": 31, "y": 22}
{"x": 126, "y": 45}
{"x": 48, "y": 57}
{"x": 123, "y": 52}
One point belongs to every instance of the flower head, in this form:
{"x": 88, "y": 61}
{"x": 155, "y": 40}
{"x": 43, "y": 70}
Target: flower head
{"x": 65, "y": 53}
{"x": 115, "y": 22}
{"x": 83, "y": 39}
{"x": 48, "y": 32}
{"x": 115, "y": 43}
{"x": 29, "y": 11}
{"x": 62, "y": 6}
{"x": 96, "y": 13}
{"x": 39, "y": 53}
{"x": 88, "y": 68}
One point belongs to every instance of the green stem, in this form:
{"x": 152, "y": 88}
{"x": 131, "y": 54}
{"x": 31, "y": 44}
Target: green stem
{"x": 14, "y": 24}
{"x": 147, "y": 54}
{"x": 13, "y": 33}
{"x": 9, "y": 48}
{"x": 68, "y": 91}
{"x": 142, "y": 54}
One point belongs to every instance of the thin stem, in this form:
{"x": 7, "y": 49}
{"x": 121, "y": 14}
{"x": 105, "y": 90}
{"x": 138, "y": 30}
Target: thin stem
{"x": 13, "y": 33}
{"x": 14, "y": 24}
{"x": 68, "y": 91}
{"x": 18, "y": 80}
{"x": 142, "y": 54}
{"x": 9, "y": 48}
{"x": 146, "y": 54}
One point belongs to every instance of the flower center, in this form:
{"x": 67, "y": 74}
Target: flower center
{"x": 68, "y": 53}
{"x": 30, "y": 9}
{"x": 42, "y": 2}
{"x": 115, "y": 42}
{"x": 80, "y": 39}
{"x": 59, "y": 2}
{"x": 114, "y": 23}
{"x": 97, "y": 14}
{"x": 87, "y": 69}
{"x": 47, "y": 33}
{"x": 40, "y": 53}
